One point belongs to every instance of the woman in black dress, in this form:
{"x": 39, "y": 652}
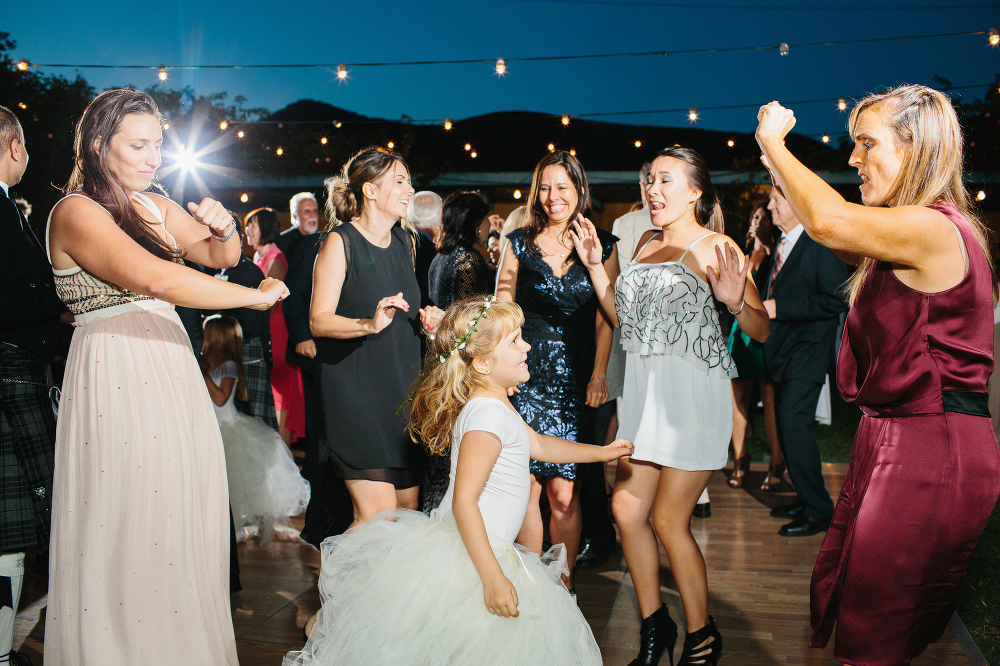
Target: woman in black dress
{"x": 570, "y": 338}
{"x": 458, "y": 271}
{"x": 366, "y": 331}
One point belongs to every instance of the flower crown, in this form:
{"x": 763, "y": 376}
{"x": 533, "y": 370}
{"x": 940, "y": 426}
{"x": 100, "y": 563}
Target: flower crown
{"x": 461, "y": 341}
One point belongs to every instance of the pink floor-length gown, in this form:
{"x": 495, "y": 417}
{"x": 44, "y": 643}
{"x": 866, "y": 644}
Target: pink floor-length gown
{"x": 139, "y": 560}
{"x": 286, "y": 378}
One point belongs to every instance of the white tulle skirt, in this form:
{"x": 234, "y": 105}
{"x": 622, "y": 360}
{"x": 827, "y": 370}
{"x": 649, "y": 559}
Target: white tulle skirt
{"x": 403, "y": 590}
{"x": 265, "y": 487}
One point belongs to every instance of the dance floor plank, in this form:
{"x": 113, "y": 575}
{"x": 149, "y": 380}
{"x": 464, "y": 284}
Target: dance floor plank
{"x": 758, "y": 590}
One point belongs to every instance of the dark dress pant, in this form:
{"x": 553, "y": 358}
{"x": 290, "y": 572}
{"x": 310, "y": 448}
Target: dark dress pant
{"x": 796, "y": 402}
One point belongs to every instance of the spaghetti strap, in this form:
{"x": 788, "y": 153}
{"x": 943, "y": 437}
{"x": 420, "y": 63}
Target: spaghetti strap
{"x": 151, "y": 207}
{"x": 693, "y": 244}
{"x": 640, "y": 249}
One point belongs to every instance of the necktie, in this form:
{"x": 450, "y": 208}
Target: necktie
{"x": 779, "y": 261}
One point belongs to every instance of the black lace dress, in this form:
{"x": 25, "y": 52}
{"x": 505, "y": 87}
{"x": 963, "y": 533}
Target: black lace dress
{"x": 559, "y": 324}
{"x": 462, "y": 273}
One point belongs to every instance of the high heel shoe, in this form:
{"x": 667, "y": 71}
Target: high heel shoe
{"x": 658, "y": 633}
{"x": 740, "y": 468}
{"x": 775, "y": 474}
{"x": 696, "y": 654}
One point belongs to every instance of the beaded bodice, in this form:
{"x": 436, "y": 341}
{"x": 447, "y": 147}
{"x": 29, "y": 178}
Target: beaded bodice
{"x": 84, "y": 293}
{"x": 666, "y": 308}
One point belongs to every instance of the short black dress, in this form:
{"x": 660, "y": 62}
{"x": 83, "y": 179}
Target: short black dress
{"x": 559, "y": 324}
{"x": 362, "y": 383}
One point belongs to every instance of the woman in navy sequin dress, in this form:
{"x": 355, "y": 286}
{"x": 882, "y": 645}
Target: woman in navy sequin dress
{"x": 570, "y": 339}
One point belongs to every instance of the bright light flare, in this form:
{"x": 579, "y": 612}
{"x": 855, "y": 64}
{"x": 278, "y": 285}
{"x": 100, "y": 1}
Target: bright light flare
{"x": 162, "y": 72}
{"x": 501, "y": 67}
{"x": 245, "y": 197}
{"x": 552, "y": 147}
{"x": 638, "y": 144}
{"x": 730, "y": 143}
{"x": 22, "y": 66}
{"x": 826, "y": 138}
{"x": 980, "y": 195}
{"x": 842, "y": 104}
{"x": 693, "y": 115}
{"x": 447, "y": 125}
{"x": 517, "y": 194}
{"x": 341, "y": 72}
{"x": 565, "y": 120}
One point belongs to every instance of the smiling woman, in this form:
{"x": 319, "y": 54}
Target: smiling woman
{"x": 916, "y": 354}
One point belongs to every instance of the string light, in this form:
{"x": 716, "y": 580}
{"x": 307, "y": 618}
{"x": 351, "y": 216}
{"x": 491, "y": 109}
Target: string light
{"x": 994, "y": 36}
{"x": 473, "y": 154}
{"x": 517, "y": 194}
{"x": 501, "y": 67}
{"x": 565, "y": 120}
{"x": 341, "y": 72}
{"x": 730, "y": 143}
{"x": 245, "y": 197}
{"x": 693, "y": 114}
{"x": 842, "y": 104}
{"x": 468, "y": 147}
{"x": 279, "y": 152}
{"x": 240, "y": 134}
{"x": 323, "y": 140}
{"x": 390, "y": 145}
{"x": 162, "y": 73}
{"x": 552, "y": 147}
{"x": 338, "y": 124}
{"x": 572, "y": 151}
{"x": 223, "y": 125}
{"x": 638, "y": 144}
{"x": 783, "y": 49}
{"x": 980, "y": 195}
{"x": 826, "y": 138}
{"x": 23, "y": 65}
{"x": 447, "y": 125}
{"x": 166, "y": 126}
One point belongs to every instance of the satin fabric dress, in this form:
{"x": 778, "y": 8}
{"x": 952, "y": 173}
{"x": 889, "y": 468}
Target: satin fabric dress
{"x": 924, "y": 477}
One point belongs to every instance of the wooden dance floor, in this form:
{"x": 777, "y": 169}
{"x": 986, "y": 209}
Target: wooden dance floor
{"x": 758, "y": 586}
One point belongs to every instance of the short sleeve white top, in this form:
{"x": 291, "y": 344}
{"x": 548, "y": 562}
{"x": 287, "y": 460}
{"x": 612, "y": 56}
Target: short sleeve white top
{"x": 504, "y": 499}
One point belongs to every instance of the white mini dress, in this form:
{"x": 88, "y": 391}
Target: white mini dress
{"x": 677, "y": 405}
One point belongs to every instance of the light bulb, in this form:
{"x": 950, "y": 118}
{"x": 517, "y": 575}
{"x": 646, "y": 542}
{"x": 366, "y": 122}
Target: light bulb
{"x": 552, "y": 147}
{"x": 23, "y": 66}
{"x": 240, "y": 134}
{"x": 826, "y": 138}
{"x": 730, "y": 143}
{"x": 162, "y": 74}
{"x": 341, "y": 72}
{"x": 638, "y": 144}
{"x": 473, "y": 154}
{"x": 693, "y": 114}
{"x": 323, "y": 140}
{"x": 468, "y": 147}
{"x": 166, "y": 126}
{"x": 842, "y": 104}
{"x": 447, "y": 125}
{"x": 223, "y": 125}
{"x": 390, "y": 145}
{"x": 279, "y": 152}
{"x": 517, "y": 194}
{"x": 338, "y": 124}
{"x": 980, "y": 195}
{"x": 783, "y": 49}
{"x": 572, "y": 151}
{"x": 245, "y": 197}
{"x": 501, "y": 67}
{"x": 994, "y": 37}
{"x": 565, "y": 120}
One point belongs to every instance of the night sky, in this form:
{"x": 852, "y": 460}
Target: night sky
{"x": 202, "y": 33}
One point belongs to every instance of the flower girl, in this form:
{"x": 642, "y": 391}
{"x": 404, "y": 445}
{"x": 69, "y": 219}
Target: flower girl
{"x": 454, "y": 588}
{"x": 265, "y": 487}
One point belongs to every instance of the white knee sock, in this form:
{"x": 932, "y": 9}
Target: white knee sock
{"x": 11, "y": 575}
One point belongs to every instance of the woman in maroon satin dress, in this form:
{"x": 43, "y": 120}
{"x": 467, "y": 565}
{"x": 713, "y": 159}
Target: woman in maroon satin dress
{"x": 916, "y": 354}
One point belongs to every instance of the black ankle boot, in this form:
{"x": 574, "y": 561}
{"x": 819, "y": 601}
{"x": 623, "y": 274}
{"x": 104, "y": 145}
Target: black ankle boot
{"x": 706, "y": 655}
{"x": 658, "y": 633}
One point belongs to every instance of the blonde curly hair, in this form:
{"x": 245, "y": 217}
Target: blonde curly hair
{"x": 445, "y": 386}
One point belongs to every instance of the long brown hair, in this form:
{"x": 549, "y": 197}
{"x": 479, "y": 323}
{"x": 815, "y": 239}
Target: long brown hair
{"x": 446, "y": 387}
{"x": 926, "y": 127}
{"x": 91, "y": 176}
{"x": 224, "y": 342}
{"x": 537, "y": 218}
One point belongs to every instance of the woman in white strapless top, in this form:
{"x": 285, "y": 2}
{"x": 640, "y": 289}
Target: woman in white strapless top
{"x": 677, "y": 400}
{"x": 139, "y": 559}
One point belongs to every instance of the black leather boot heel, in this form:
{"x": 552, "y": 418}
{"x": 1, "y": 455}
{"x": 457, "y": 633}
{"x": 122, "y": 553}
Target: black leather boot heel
{"x": 705, "y": 655}
{"x": 658, "y": 633}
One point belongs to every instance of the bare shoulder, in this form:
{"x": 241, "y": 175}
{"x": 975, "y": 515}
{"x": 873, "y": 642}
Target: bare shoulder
{"x": 73, "y": 211}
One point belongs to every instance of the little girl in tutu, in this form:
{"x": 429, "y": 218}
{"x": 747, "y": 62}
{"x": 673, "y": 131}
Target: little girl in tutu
{"x": 454, "y": 588}
{"x": 265, "y": 487}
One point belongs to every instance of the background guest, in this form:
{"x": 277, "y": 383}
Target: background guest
{"x": 748, "y": 354}
{"x": 262, "y": 231}
{"x": 23, "y": 206}
{"x": 29, "y": 330}
{"x": 424, "y": 214}
{"x": 804, "y": 301}
{"x": 305, "y": 220}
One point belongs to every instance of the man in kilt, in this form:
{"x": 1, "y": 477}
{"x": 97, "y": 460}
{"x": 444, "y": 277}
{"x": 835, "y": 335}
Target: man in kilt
{"x": 29, "y": 330}
{"x": 256, "y": 325}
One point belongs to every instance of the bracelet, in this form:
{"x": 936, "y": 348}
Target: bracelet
{"x": 232, "y": 231}
{"x": 598, "y": 380}
{"x": 738, "y": 311}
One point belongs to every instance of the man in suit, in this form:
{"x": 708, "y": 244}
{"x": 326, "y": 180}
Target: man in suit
{"x": 29, "y": 330}
{"x": 802, "y": 295}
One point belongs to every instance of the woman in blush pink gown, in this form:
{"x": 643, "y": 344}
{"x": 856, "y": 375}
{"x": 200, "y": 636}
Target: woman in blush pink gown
{"x": 262, "y": 229}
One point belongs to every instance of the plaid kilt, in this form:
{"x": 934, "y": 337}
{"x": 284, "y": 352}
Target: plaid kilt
{"x": 27, "y": 448}
{"x": 260, "y": 401}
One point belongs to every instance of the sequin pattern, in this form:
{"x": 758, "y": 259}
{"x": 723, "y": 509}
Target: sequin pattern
{"x": 667, "y": 309}
{"x": 559, "y": 325}
{"x": 83, "y": 292}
